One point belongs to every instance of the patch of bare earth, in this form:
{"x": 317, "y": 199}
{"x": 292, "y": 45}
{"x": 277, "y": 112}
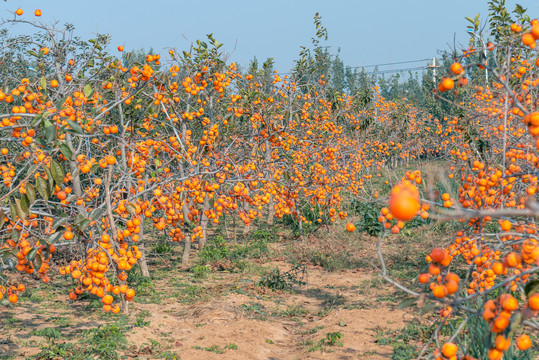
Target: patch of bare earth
{"x": 255, "y": 325}
{"x": 231, "y": 318}
{"x": 277, "y": 325}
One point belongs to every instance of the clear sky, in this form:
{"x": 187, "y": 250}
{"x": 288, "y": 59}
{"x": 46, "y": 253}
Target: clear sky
{"x": 367, "y": 32}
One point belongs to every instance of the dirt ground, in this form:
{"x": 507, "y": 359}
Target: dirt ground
{"x": 223, "y": 315}
{"x": 226, "y": 321}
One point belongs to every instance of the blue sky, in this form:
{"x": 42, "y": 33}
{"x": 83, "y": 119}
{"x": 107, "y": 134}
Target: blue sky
{"x": 367, "y": 32}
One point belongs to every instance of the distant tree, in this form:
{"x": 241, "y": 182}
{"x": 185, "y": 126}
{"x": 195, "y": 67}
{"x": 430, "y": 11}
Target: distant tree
{"x": 337, "y": 77}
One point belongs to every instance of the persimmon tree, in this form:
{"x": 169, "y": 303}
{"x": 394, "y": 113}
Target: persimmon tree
{"x": 65, "y": 127}
{"x": 487, "y": 273}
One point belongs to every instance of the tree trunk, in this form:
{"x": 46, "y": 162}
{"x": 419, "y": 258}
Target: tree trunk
{"x": 142, "y": 261}
{"x": 204, "y": 222}
{"x": 246, "y": 227}
{"x": 124, "y": 305}
{"x": 187, "y": 240}
{"x": 300, "y": 225}
{"x": 227, "y": 235}
{"x": 271, "y": 211}
{"x": 186, "y": 249}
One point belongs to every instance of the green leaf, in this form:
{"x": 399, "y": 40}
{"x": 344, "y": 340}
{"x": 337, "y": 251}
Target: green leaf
{"x": 87, "y": 90}
{"x": 12, "y": 211}
{"x": 25, "y": 204}
{"x": 2, "y": 218}
{"x": 96, "y": 213}
{"x": 50, "y": 134}
{"x": 84, "y": 224}
{"x": 66, "y": 151}
{"x": 78, "y": 219}
{"x": 42, "y": 187}
{"x": 58, "y": 104}
{"x": 32, "y": 169}
{"x": 54, "y": 237}
{"x": 407, "y": 303}
{"x": 38, "y": 261}
{"x": 74, "y": 126}
{"x": 41, "y": 142}
{"x": 15, "y": 235}
{"x": 32, "y": 254}
{"x": 51, "y": 179}
{"x": 43, "y": 83}
{"x": 62, "y": 218}
{"x": 36, "y": 119}
{"x": 131, "y": 209}
{"x": 426, "y": 308}
{"x": 22, "y": 214}
{"x": 8, "y": 255}
{"x": 57, "y": 173}
{"x": 31, "y": 193}
{"x": 47, "y": 124}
